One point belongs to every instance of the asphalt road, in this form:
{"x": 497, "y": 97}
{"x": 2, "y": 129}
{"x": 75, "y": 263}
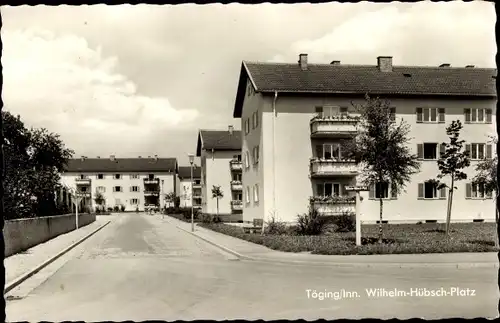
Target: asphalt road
{"x": 143, "y": 268}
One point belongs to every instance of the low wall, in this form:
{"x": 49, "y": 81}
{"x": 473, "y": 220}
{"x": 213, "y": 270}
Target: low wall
{"x": 22, "y": 234}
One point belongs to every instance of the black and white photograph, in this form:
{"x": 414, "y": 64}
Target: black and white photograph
{"x": 250, "y": 161}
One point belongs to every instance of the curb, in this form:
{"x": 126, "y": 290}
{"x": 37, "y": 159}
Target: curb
{"x": 346, "y": 264}
{"x": 19, "y": 280}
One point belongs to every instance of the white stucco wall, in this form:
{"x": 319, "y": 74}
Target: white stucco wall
{"x": 294, "y": 148}
{"x": 124, "y": 197}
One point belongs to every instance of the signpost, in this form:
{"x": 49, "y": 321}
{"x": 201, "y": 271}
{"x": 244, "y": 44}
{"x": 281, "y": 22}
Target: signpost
{"x": 76, "y": 201}
{"x": 358, "y": 190}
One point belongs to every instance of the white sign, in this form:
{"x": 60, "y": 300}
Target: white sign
{"x": 356, "y": 188}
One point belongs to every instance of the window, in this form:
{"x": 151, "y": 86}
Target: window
{"x": 382, "y": 190}
{"x": 479, "y": 151}
{"x": 256, "y": 193}
{"x": 255, "y": 154}
{"x": 151, "y": 176}
{"x": 237, "y": 177}
{"x": 430, "y": 115}
{"x": 100, "y": 189}
{"x": 428, "y": 190}
{"x": 134, "y": 176}
{"x": 328, "y": 151}
{"x": 83, "y": 189}
{"x": 118, "y": 202}
{"x": 477, "y": 191}
{"x": 197, "y": 182}
{"x": 238, "y": 197}
{"x": 477, "y": 115}
{"x": 100, "y": 176}
{"x": 134, "y": 188}
{"x": 134, "y": 201}
{"x": 83, "y": 176}
{"x": 237, "y": 157}
{"x": 118, "y": 176}
{"x": 427, "y": 151}
{"x": 247, "y": 159}
{"x": 328, "y": 189}
{"x": 247, "y": 195}
{"x": 255, "y": 119}
{"x": 117, "y": 189}
{"x": 247, "y": 126}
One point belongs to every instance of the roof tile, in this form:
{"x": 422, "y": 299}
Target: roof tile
{"x": 121, "y": 165}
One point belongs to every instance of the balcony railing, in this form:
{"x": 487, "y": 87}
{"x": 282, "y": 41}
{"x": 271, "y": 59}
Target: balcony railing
{"x": 82, "y": 180}
{"x": 151, "y": 181}
{"x": 237, "y": 204}
{"x": 196, "y": 185}
{"x": 235, "y": 164}
{"x": 236, "y": 185}
{"x": 334, "y": 205}
{"x": 333, "y": 167}
{"x": 333, "y": 126}
{"x": 151, "y": 192}
{"x": 82, "y": 194}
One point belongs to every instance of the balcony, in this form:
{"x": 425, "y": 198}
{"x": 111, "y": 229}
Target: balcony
{"x": 82, "y": 181}
{"x": 235, "y": 165}
{"x": 332, "y": 167}
{"x": 334, "y": 205}
{"x": 82, "y": 194}
{"x": 152, "y": 181}
{"x": 237, "y": 205}
{"x": 197, "y": 196}
{"x": 236, "y": 186}
{"x": 151, "y": 193}
{"x": 333, "y": 126}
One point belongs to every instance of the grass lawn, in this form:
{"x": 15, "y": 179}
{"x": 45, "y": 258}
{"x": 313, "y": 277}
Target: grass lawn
{"x": 398, "y": 239}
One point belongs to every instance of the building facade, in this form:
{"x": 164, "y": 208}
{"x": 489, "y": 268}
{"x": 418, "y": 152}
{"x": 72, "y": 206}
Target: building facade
{"x": 294, "y": 116}
{"x": 190, "y": 190}
{"x": 221, "y": 166}
{"x": 134, "y": 183}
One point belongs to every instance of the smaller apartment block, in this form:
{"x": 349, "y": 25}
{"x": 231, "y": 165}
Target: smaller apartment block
{"x": 221, "y": 165}
{"x": 295, "y": 115}
{"x": 130, "y": 182}
{"x": 190, "y": 188}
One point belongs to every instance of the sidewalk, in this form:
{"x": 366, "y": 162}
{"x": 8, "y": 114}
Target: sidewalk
{"x": 251, "y": 251}
{"x": 22, "y": 263}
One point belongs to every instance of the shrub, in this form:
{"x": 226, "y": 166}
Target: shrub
{"x": 210, "y": 218}
{"x": 110, "y": 209}
{"x": 122, "y": 208}
{"x": 97, "y": 210}
{"x": 177, "y": 202}
{"x": 137, "y": 209}
{"x": 310, "y": 223}
{"x": 116, "y": 208}
{"x": 275, "y": 227}
{"x": 346, "y": 222}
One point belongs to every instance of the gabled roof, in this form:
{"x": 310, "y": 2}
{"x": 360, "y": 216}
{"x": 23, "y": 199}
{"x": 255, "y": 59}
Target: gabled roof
{"x": 122, "y": 165}
{"x": 365, "y": 79}
{"x": 185, "y": 172}
{"x": 218, "y": 140}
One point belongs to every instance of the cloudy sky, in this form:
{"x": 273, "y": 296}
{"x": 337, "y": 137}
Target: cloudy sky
{"x": 141, "y": 80}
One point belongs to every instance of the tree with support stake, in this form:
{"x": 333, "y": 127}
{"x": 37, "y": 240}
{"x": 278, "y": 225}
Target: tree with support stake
{"x": 358, "y": 190}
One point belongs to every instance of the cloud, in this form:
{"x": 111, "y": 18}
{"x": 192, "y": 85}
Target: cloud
{"x": 425, "y": 33}
{"x": 59, "y": 82}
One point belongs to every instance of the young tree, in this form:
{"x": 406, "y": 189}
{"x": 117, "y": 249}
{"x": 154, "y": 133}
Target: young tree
{"x": 454, "y": 158}
{"x": 381, "y": 149}
{"x": 170, "y": 198}
{"x": 99, "y": 199}
{"x": 217, "y": 194}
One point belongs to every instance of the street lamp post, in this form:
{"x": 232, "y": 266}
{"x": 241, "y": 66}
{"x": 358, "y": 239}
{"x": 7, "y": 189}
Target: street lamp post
{"x": 191, "y": 161}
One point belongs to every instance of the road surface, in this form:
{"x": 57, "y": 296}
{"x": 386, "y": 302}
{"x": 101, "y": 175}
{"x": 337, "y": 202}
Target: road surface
{"x": 142, "y": 267}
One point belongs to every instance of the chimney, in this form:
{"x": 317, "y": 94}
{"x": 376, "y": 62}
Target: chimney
{"x": 444, "y": 65}
{"x": 384, "y": 63}
{"x": 140, "y": 157}
{"x": 112, "y": 157}
{"x": 303, "y": 62}
{"x": 335, "y": 63}
{"x": 469, "y": 66}
{"x": 83, "y": 158}
{"x": 98, "y": 157}
{"x": 230, "y": 128}
{"x": 156, "y": 157}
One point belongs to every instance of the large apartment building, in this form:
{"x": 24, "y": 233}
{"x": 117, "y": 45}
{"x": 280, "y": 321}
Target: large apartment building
{"x": 190, "y": 188}
{"x": 130, "y": 182}
{"x": 294, "y": 115}
{"x": 220, "y": 154}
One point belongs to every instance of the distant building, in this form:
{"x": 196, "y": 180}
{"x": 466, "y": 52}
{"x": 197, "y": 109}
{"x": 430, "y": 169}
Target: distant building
{"x": 132, "y": 182}
{"x": 220, "y": 154}
{"x": 293, "y": 115}
{"x": 190, "y": 188}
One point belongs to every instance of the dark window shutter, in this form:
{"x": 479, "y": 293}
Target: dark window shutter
{"x": 488, "y": 115}
{"x": 467, "y": 115}
{"x": 419, "y": 115}
{"x": 371, "y": 193}
{"x": 420, "y": 190}
{"x": 468, "y": 190}
{"x": 442, "y": 114}
{"x": 442, "y": 193}
{"x": 420, "y": 151}
{"x": 468, "y": 149}
{"x": 319, "y": 151}
{"x": 442, "y": 150}
{"x": 320, "y": 190}
{"x": 488, "y": 151}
